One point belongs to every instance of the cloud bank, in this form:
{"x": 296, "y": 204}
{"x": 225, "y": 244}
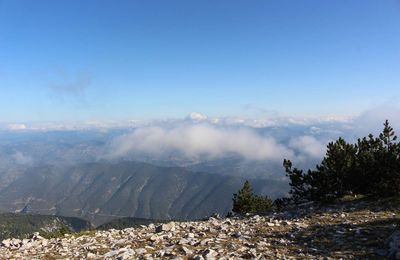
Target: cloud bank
{"x": 372, "y": 120}
{"x": 198, "y": 137}
{"x": 212, "y": 141}
{"x": 300, "y": 139}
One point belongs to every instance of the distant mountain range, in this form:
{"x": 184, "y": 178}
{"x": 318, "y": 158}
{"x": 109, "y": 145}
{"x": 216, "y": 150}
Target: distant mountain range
{"x": 102, "y": 191}
{"x": 68, "y": 173}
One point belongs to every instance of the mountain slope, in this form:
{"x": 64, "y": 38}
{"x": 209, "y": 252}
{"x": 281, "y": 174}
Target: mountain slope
{"x": 103, "y": 191}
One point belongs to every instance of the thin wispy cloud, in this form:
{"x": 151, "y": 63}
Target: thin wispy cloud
{"x": 260, "y": 111}
{"x": 67, "y": 86}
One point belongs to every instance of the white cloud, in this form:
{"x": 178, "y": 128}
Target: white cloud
{"x": 308, "y": 145}
{"x": 301, "y": 139}
{"x": 195, "y": 116}
{"x": 201, "y": 140}
{"x": 371, "y": 121}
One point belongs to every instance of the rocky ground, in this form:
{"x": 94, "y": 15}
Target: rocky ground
{"x": 349, "y": 230}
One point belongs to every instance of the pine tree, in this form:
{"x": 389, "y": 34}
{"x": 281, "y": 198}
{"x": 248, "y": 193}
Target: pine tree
{"x": 334, "y": 175}
{"x": 388, "y": 136}
{"x": 245, "y": 201}
{"x": 370, "y": 167}
{"x": 388, "y": 167}
{"x": 378, "y": 164}
{"x": 300, "y": 188}
{"x": 331, "y": 178}
{"x": 366, "y": 165}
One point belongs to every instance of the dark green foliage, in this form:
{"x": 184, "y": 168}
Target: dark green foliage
{"x": 333, "y": 176}
{"x": 242, "y": 201}
{"x": 300, "y": 189}
{"x": 280, "y": 204}
{"x": 245, "y": 201}
{"x": 60, "y": 232}
{"x": 24, "y": 225}
{"x": 378, "y": 169}
{"x": 370, "y": 167}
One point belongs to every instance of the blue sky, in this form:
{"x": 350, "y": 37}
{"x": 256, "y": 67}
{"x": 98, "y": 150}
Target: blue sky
{"x": 118, "y": 60}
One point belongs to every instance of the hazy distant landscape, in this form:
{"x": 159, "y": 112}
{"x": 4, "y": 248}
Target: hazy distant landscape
{"x": 176, "y": 169}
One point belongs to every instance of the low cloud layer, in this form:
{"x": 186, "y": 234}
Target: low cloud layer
{"x": 198, "y": 137}
{"x": 302, "y": 140}
{"x": 212, "y": 141}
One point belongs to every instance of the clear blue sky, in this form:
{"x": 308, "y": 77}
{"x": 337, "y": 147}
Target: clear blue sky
{"x": 112, "y": 60}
